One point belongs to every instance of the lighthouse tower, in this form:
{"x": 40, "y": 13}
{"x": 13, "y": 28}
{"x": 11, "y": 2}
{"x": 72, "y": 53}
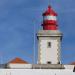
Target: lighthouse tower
{"x": 49, "y": 39}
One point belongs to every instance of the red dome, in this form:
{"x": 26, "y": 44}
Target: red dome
{"x": 49, "y": 11}
{"x": 49, "y": 19}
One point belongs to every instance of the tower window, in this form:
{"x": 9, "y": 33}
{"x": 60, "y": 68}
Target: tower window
{"x": 49, "y": 44}
{"x": 48, "y": 62}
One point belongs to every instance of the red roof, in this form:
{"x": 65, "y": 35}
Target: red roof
{"x": 73, "y": 63}
{"x": 49, "y": 11}
{"x": 18, "y": 60}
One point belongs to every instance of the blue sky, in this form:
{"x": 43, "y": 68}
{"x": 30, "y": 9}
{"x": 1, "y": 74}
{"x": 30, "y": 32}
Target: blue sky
{"x": 18, "y": 19}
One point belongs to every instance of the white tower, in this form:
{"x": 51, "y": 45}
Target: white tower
{"x": 49, "y": 39}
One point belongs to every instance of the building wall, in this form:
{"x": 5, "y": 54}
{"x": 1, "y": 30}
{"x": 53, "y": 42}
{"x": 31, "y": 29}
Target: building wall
{"x": 36, "y": 72}
{"x": 20, "y": 66}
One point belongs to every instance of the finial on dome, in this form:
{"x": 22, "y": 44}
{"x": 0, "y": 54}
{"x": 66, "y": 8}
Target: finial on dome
{"x": 49, "y": 6}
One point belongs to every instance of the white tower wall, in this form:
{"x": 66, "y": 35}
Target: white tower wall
{"x": 49, "y": 46}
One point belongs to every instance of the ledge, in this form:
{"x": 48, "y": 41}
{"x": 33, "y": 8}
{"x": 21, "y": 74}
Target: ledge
{"x": 48, "y": 66}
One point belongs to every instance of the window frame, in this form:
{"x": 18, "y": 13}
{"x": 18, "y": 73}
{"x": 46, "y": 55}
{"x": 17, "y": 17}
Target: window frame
{"x": 49, "y": 44}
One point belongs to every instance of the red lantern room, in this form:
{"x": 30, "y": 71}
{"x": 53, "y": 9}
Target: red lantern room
{"x": 49, "y": 19}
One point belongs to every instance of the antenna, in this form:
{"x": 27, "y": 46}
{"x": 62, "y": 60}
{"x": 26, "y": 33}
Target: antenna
{"x": 33, "y": 55}
{"x": 34, "y": 46}
{"x": 49, "y": 2}
{"x": 1, "y": 57}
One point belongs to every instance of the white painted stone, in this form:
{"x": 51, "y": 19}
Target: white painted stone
{"x": 50, "y": 18}
{"x": 19, "y": 66}
{"x": 49, "y": 54}
{"x": 36, "y": 72}
{"x": 69, "y": 66}
{"x": 45, "y": 53}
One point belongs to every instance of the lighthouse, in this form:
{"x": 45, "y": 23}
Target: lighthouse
{"x": 49, "y": 39}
